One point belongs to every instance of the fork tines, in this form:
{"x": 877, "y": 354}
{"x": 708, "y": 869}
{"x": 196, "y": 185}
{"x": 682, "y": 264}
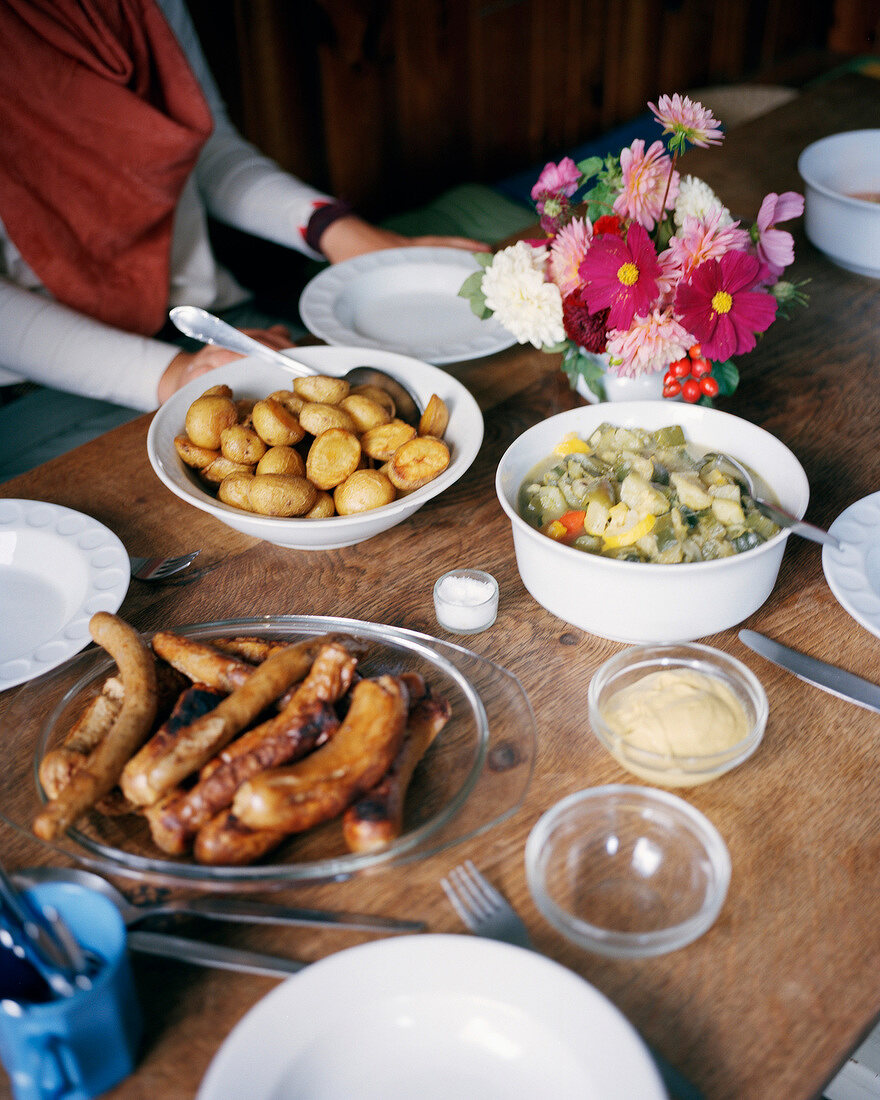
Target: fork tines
{"x": 470, "y": 895}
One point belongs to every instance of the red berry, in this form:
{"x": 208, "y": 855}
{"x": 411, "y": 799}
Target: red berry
{"x": 681, "y": 368}
{"x": 695, "y": 352}
{"x": 699, "y": 367}
{"x": 690, "y": 390}
{"x": 671, "y": 389}
{"x": 709, "y": 385}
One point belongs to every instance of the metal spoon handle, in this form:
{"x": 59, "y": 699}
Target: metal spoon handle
{"x": 256, "y": 912}
{"x": 213, "y": 955}
{"x": 798, "y": 526}
{"x": 204, "y": 326}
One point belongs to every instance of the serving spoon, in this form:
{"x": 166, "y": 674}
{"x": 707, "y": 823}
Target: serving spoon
{"x": 772, "y": 511}
{"x": 201, "y": 325}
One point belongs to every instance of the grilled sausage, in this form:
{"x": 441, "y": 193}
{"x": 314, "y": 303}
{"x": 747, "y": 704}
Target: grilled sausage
{"x": 161, "y": 764}
{"x": 322, "y": 785}
{"x": 98, "y": 775}
{"x": 224, "y": 841}
{"x": 376, "y": 819}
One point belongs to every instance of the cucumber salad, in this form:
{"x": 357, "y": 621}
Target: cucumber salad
{"x": 636, "y": 495}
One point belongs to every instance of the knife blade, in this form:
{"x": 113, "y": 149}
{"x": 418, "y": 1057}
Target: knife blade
{"x": 213, "y": 955}
{"x": 830, "y": 678}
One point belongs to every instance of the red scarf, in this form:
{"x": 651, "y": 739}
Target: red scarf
{"x": 101, "y": 123}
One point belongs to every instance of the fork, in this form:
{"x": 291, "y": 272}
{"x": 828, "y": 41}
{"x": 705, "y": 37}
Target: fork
{"x": 157, "y": 569}
{"x": 486, "y": 912}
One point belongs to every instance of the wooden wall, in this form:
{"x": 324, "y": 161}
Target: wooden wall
{"x": 389, "y": 102}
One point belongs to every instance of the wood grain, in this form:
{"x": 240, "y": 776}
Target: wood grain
{"x": 772, "y": 999}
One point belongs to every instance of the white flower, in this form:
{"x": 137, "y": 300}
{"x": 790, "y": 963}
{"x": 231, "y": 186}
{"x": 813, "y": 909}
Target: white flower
{"x": 520, "y": 297}
{"x": 696, "y": 199}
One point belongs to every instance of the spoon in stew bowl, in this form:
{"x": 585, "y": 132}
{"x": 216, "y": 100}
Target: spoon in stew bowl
{"x": 771, "y": 511}
{"x": 201, "y": 325}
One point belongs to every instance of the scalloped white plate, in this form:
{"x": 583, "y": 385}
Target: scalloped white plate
{"x": 404, "y": 300}
{"x": 57, "y": 568}
{"x": 853, "y": 572}
{"x": 433, "y": 1017}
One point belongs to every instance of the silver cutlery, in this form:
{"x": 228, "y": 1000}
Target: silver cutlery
{"x": 238, "y": 910}
{"x": 157, "y": 569}
{"x": 201, "y": 325}
{"x": 212, "y": 955}
{"x": 773, "y": 511}
{"x": 837, "y": 681}
{"x": 486, "y": 912}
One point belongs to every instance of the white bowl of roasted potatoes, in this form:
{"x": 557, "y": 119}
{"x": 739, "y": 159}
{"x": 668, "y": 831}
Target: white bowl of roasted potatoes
{"x": 309, "y": 462}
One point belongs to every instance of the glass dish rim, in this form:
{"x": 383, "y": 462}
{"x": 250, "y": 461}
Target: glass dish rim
{"x": 413, "y": 845}
{"x": 616, "y": 943}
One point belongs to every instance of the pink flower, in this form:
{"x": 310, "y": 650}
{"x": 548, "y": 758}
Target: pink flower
{"x": 687, "y": 121}
{"x": 650, "y": 344}
{"x": 719, "y": 305}
{"x": 562, "y": 178}
{"x": 700, "y": 240}
{"x": 645, "y": 178}
{"x": 621, "y": 276}
{"x": 568, "y": 249}
{"x": 775, "y": 246}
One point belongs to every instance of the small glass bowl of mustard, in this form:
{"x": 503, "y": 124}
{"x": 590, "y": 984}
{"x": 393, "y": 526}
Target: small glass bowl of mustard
{"x": 677, "y": 715}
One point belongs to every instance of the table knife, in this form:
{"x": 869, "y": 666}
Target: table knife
{"x": 830, "y": 678}
{"x": 213, "y": 955}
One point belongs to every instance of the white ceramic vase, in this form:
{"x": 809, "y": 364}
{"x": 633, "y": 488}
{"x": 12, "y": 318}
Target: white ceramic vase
{"x": 646, "y": 387}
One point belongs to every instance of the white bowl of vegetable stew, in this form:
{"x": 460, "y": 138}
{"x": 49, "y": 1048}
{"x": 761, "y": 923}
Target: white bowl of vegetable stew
{"x": 622, "y": 587}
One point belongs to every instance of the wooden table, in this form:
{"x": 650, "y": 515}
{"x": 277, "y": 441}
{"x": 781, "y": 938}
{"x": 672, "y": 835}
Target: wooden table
{"x": 770, "y": 1002}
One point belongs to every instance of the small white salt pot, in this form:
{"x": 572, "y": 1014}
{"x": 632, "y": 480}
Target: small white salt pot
{"x": 466, "y": 600}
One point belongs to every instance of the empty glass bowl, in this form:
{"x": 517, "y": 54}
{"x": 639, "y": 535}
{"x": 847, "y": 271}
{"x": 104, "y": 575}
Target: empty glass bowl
{"x": 627, "y": 871}
{"x": 688, "y": 740}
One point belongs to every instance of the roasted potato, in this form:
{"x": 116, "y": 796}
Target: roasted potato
{"x": 197, "y": 457}
{"x": 317, "y": 417}
{"x": 241, "y": 444}
{"x": 289, "y": 400}
{"x": 362, "y": 491}
{"x": 381, "y": 442}
{"x": 281, "y": 495}
{"x": 417, "y": 462}
{"x": 221, "y": 390}
{"x": 207, "y": 417}
{"x": 365, "y": 411}
{"x": 377, "y": 394}
{"x": 435, "y": 418}
{"x": 233, "y": 490}
{"x": 222, "y": 467}
{"x": 282, "y": 460}
{"x": 322, "y": 389}
{"x": 323, "y": 508}
{"x": 334, "y": 455}
{"x": 275, "y": 424}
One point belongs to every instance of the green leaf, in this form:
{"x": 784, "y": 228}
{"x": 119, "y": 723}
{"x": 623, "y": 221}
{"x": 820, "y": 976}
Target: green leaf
{"x": 590, "y": 167}
{"x": 484, "y": 259}
{"x": 472, "y": 285}
{"x": 727, "y": 377}
{"x": 577, "y": 365}
{"x": 555, "y": 349}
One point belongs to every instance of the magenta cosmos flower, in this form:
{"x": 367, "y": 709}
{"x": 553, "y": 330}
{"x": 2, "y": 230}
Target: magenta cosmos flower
{"x": 552, "y": 191}
{"x": 621, "y": 276}
{"x": 719, "y": 305}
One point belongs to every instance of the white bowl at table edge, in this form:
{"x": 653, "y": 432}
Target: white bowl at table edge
{"x": 255, "y": 379}
{"x": 640, "y": 602}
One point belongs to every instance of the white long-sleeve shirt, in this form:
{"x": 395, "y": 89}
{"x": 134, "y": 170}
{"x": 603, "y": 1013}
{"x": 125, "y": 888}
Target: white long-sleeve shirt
{"x": 43, "y": 341}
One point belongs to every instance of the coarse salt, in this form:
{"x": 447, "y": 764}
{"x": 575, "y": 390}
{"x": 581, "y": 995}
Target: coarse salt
{"x": 466, "y": 601}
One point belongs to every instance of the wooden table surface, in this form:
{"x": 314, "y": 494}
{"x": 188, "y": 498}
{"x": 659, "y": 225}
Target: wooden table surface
{"x": 773, "y": 998}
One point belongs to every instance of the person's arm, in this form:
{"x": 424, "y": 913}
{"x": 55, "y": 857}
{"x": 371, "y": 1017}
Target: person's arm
{"x": 249, "y": 191}
{"x": 48, "y": 343}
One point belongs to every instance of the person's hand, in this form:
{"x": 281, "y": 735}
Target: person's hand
{"x": 352, "y": 236}
{"x": 187, "y": 365}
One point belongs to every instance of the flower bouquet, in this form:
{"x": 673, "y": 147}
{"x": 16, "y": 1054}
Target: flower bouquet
{"x": 643, "y": 271}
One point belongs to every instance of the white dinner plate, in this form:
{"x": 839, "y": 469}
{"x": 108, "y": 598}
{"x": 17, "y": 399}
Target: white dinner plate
{"x": 429, "y": 1018}
{"x": 404, "y": 300}
{"x": 853, "y": 571}
{"x": 57, "y": 568}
